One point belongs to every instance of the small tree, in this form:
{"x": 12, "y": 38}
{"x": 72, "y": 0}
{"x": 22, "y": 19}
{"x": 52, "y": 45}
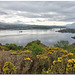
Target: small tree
{"x": 0, "y": 44}
{"x": 62, "y": 44}
{"x": 36, "y": 49}
{"x": 9, "y": 68}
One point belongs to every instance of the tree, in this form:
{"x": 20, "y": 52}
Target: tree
{"x": 0, "y": 44}
{"x": 62, "y": 44}
{"x": 13, "y": 47}
{"x": 36, "y": 49}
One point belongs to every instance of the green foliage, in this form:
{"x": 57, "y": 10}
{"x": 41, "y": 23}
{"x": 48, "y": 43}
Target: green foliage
{"x": 0, "y": 44}
{"x": 71, "y": 48}
{"x": 13, "y": 47}
{"x": 37, "y": 42}
{"x": 35, "y": 46}
{"x": 9, "y": 68}
{"x": 34, "y": 42}
{"x": 62, "y": 44}
{"x": 65, "y": 45}
{"x": 46, "y": 64}
{"x": 47, "y": 72}
{"x": 36, "y": 49}
{"x": 38, "y": 58}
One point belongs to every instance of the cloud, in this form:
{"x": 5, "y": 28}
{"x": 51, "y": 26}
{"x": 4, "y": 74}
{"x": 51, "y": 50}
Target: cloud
{"x": 37, "y": 11}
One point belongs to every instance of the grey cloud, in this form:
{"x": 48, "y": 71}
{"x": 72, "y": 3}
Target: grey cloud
{"x": 18, "y": 22}
{"x": 39, "y": 20}
{"x": 3, "y": 13}
{"x": 64, "y": 9}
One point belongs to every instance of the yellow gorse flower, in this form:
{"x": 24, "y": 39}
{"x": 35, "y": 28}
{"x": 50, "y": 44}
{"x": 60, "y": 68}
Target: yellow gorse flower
{"x": 27, "y": 51}
{"x": 27, "y": 58}
{"x": 70, "y": 54}
{"x": 64, "y": 56}
{"x": 50, "y": 48}
{"x": 42, "y": 57}
{"x": 31, "y": 60}
{"x": 73, "y": 60}
{"x": 54, "y": 62}
{"x": 47, "y": 72}
{"x": 70, "y": 61}
{"x": 59, "y": 58}
{"x": 9, "y": 68}
{"x": 49, "y": 53}
{"x": 14, "y": 53}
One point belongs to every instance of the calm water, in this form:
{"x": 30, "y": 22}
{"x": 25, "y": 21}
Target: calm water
{"x": 47, "y": 37}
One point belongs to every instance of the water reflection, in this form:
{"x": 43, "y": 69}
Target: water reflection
{"x": 47, "y": 37}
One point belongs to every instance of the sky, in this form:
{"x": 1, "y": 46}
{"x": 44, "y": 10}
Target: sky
{"x": 38, "y": 12}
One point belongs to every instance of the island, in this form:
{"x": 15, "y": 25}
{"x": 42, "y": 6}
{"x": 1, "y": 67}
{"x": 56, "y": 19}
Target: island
{"x": 68, "y": 30}
{"x": 73, "y": 37}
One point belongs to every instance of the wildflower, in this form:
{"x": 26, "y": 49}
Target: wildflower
{"x": 14, "y": 53}
{"x": 54, "y": 62}
{"x": 70, "y": 54}
{"x": 31, "y": 60}
{"x": 49, "y": 53}
{"x": 70, "y": 61}
{"x": 73, "y": 59}
{"x": 27, "y": 58}
{"x": 56, "y": 48}
{"x": 42, "y": 57}
{"x": 38, "y": 56}
{"x": 66, "y": 69}
{"x": 9, "y": 68}
{"x": 27, "y": 51}
{"x": 58, "y": 60}
{"x": 64, "y": 56}
{"x": 50, "y": 48}
{"x": 65, "y": 51}
{"x": 68, "y": 65}
{"x": 47, "y": 72}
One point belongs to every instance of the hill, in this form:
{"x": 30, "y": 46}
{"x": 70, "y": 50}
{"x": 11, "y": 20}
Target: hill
{"x": 6, "y": 26}
{"x": 70, "y": 25}
{"x": 38, "y": 59}
{"x": 67, "y": 30}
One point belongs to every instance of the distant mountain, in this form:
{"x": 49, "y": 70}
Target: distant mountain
{"x": 71, "y": 25}
{"x": 4, "y": 26}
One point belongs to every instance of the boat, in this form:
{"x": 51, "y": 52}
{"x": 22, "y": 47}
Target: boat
{"x": 20, "y": 31}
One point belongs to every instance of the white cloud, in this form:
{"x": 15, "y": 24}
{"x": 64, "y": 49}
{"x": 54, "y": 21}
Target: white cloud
{"x": 39, "y": 13}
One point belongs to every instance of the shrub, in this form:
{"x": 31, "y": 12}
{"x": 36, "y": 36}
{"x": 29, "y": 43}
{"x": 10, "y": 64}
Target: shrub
{"x": 36, "y": 49}
{"x": 62, "y": 44}
{"x": 70, "y": 66}
{"x": 9, "y": 68}
{"x": 0, "y": 44}
{"x": 13, "y": 47}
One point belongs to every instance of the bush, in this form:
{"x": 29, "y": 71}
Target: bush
{"x": 62, "y": 44}
{"x": 13, "y": 47}
{"x": 36, "y": 49}
{"x": 9, "y": 68}
{"x": 0, "y": 44}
